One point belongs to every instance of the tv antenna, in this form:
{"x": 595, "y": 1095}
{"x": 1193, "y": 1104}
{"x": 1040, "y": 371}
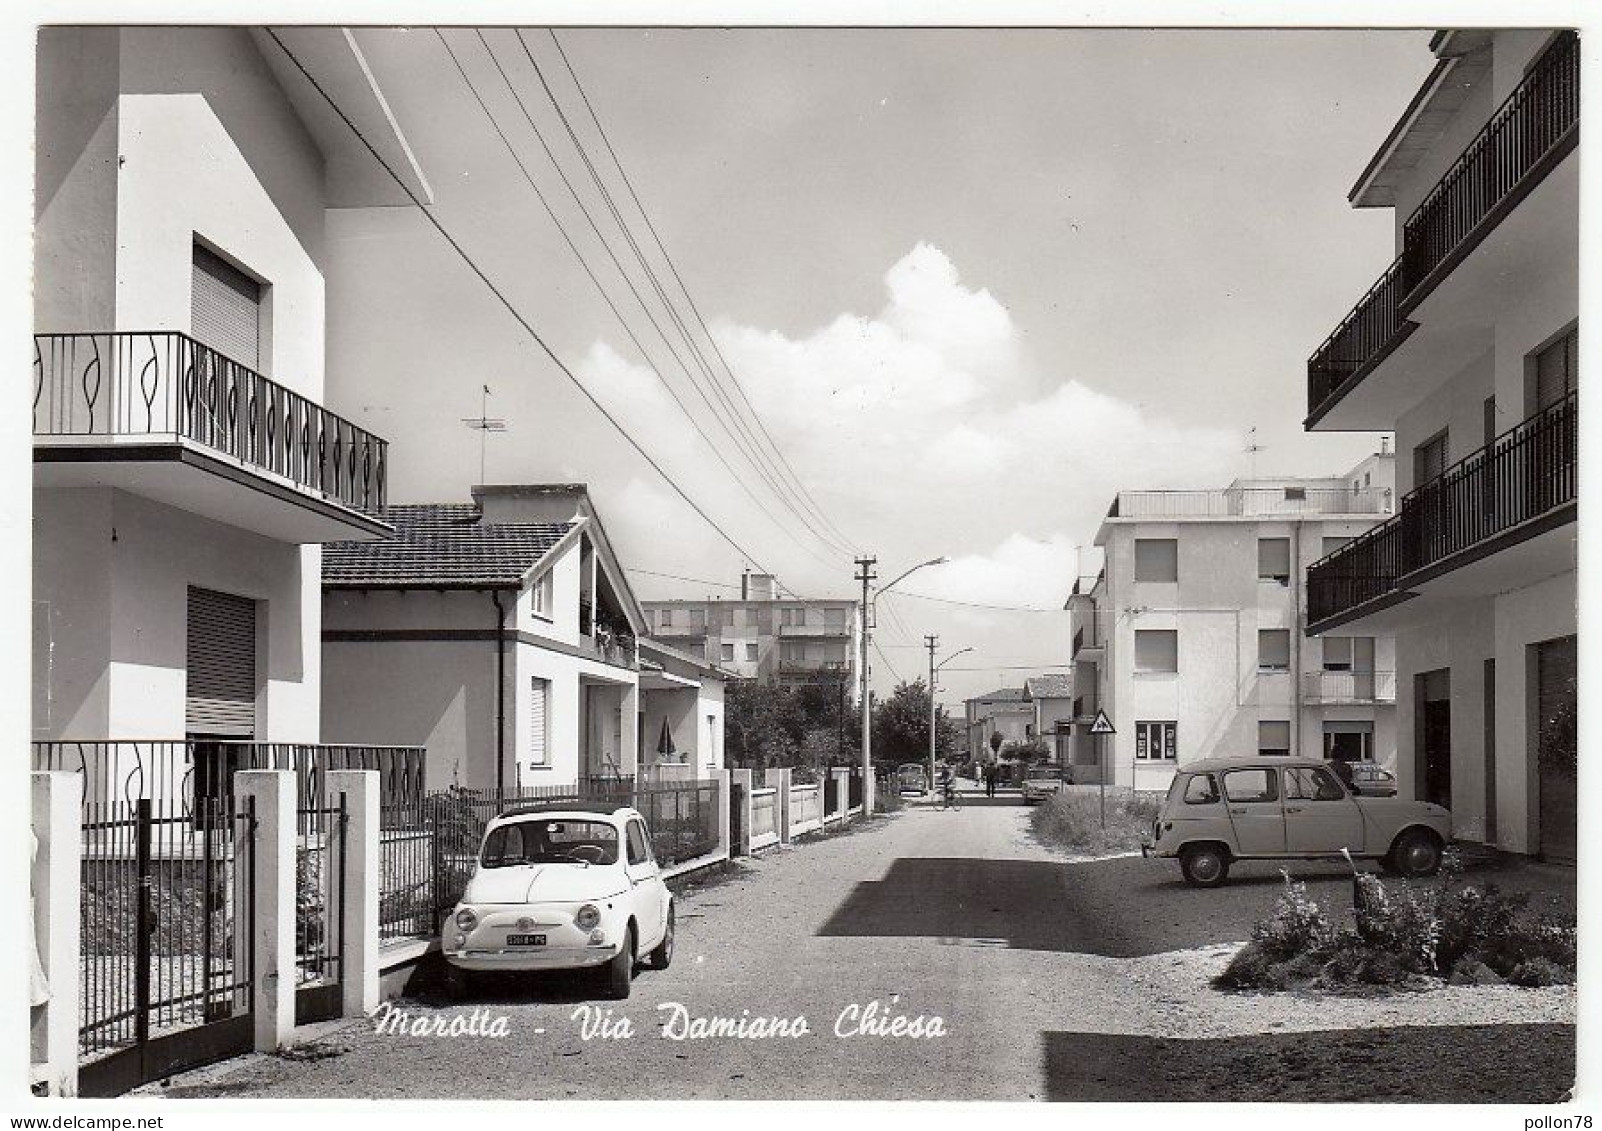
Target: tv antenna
{"x": 1253, "y": 447}
{"x": 484, "y": 424}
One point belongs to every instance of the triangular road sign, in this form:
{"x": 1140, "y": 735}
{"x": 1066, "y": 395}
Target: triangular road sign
{"x": 1102, "y": 725}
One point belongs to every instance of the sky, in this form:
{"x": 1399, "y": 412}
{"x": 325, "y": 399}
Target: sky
{"x": 972, "y": 282}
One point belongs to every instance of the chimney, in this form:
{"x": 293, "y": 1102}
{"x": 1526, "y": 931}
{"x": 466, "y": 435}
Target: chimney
{"x": 758, "y": 587}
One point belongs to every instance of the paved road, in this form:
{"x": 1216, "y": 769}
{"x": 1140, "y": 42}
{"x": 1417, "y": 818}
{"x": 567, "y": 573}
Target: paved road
{"x": 1052, "y": 979}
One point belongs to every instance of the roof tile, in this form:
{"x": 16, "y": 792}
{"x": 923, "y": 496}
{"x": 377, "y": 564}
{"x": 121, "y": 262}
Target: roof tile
{"x": 441, "y": 545}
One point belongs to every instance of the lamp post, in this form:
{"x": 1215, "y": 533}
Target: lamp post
{"x": 865, "y": 575}
{"x": 934, "y": 670}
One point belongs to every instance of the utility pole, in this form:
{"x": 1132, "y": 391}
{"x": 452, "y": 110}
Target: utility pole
{"x": 931, "y": 642}
{"x": 866, "y": 575}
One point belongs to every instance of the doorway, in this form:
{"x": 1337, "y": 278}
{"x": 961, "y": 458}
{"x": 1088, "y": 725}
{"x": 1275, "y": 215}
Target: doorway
{"x": 1555, "y": 753}
{"x": 1432, "y": 697}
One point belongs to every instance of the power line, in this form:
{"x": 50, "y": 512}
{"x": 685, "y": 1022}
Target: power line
{"x": 504, "y": 301}
{"x": 895, "y": 674}
{"x": 573, "y": 247}
{"x": 977, "y": 604}
{"x": 1009, "y": 668}
{"x": 679, "y": 577}
{"x": 689, "y": 298}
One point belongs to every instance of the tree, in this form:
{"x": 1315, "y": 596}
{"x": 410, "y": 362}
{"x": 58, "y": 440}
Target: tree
{"x": 772, "y": 725}
{"x": 1030, "y": 750}
{"x": 995, "y": 742}
{"x": 901, "y": 726}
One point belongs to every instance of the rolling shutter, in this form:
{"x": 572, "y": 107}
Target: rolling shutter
{"x": 1557, "y": 370}
{"x": 538, "y": 743}
{"x": 221, "y": 696}
{"x": 225, "y": 309}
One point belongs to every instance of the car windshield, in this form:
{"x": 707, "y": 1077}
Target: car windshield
{"x": 1046, "y": 770}
{"x": 550, "y": 841}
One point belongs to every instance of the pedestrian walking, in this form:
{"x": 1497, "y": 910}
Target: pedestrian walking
{"x": 990, "y": 780}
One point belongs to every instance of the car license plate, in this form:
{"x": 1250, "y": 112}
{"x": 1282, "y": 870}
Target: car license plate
{"x": 525, "y": 940}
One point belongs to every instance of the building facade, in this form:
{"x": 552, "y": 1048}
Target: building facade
{"x": 186, "y": 472}
{"x": 764, "y": 636}
{"x": 681, "y": 712}
{"x": 501, "y": 634}
{"x": 1467, "y": 347}
{"x": 1005, "y": 711}
{"x": 1191, "y": 639}
{"x": 1052, "y": 699}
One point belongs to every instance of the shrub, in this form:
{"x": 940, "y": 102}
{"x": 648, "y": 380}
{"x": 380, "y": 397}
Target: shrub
{"x": 1470, "y": 971}
{"x": 1250, "y": 969}
{"x": 1296, "y": 925}
{"x": 1072, "y": 820}
{"x": 1541, "y": 971}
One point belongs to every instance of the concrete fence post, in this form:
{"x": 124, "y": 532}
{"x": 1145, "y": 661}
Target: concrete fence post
{"x": 740, "y": 785}
{"x": 725, "y": 799}
{"x": 840, "y": 779}
{"x": 272, "y": 852}
{"x": 56, "y": 884}
{"x": 781, "y": 801}
{"x": 358, "y": 975}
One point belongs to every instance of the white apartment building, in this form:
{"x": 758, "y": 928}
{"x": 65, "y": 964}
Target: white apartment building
{"x": 763, "y": 635}
{"x": 1467, "y": 348}
{"x": 1192, "y": 641}
{"x": 185, "y": 471}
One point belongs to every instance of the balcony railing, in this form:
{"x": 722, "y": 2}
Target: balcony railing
{"x": 1522, "y": 475}
{"x": 1248, "y": 501}
{"x": 1509, "y": 156}
{"x": 1530, "y": 124}
{"x": 167, "y": 385}
{"x": 1349, "y": 687}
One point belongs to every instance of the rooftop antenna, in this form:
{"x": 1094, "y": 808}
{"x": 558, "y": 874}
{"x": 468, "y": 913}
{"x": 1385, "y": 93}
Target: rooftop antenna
{"x": 484, "y": 424}
{"x": 1253, "y": 447}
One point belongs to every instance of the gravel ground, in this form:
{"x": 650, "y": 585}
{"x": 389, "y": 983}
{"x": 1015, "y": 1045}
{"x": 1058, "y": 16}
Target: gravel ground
{"x": 1069, "y": 965}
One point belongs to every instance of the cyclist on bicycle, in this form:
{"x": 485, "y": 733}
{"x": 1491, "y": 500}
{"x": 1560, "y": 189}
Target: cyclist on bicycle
{"x": 947, "y": 786}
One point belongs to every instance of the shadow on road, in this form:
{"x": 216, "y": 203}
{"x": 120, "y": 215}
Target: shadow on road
{"x": 1410, "y": 1063}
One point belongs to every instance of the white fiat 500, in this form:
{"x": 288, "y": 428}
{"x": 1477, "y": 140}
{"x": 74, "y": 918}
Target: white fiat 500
{"x": 561, "y": 887}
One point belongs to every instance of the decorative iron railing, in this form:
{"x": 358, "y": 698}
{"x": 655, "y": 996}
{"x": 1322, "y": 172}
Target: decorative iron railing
{"x": 1529, "y": 124}
{"x": 1362, "y": 337}
{"x": 1523, "y": 474}
{"x": 166, "y": 384}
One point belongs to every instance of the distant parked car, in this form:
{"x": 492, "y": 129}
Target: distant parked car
{"x": 1373, "y": 781}
{"x": 1220, "y": 810}
{"x": 563, "y": 886}
{"x": 1043, "y": 780}
{"x": 912, "y": 777}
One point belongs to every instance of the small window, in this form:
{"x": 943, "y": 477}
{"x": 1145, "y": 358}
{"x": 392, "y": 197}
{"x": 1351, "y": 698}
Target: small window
{"x": 542, "y": 594}
{"x": 1156, "y": 559}
{"x": 1248, "y": 787}
{"x": 1156, "y": 742}
{"x": 1295, "y": 494}
{"x": 727, "y": 651}
{"x": 1202, "y": 789}
{"x": 1308, "y": 783}
{"x": 1273, "y": 560}
{"x": 698, "y": 619}
{"x": 750, "y": 653}
{"x": 1273, "y": 737}
{"x": 639, "y": 853}
{"x": 539, "y": 734}
{"x": 665, "y": 618}
{"x": 1156, "y": 650}
{"x": 1273, "y": 649}
{"x": 834, "y": 618}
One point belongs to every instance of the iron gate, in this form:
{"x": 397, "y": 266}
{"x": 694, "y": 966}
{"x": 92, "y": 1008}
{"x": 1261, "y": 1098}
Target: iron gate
{"x": 167, "y": 959}
{"x": 320, "y": 828}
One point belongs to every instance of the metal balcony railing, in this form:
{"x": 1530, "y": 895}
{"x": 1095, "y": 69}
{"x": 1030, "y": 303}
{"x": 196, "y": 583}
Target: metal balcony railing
{"x": 1248, "y": 501}
{"x": 1525, "y": 473}
{"x": 165, "y": 384}
{"x": 1526, "y": 136}
{"x": 1349, "y": 687}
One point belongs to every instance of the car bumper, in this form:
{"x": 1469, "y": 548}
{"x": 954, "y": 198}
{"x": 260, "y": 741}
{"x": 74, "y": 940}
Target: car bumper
{"x": 542, "y": 958}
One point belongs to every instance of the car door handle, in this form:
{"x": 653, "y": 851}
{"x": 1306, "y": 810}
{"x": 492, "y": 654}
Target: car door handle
{"x": 1293, "y": 808}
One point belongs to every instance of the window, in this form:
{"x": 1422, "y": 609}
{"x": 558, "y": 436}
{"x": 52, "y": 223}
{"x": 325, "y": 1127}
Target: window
{"x": 750, "y": 653}
{"x": 793, "y": 652}
{"x": 1273, "y": 737}
{"x": 1429, "y": 459}
{"x": 1334, "y": 542}
{"x": 834, "y": 618}
{"x": 1337, "y": 653}
{"x": 792, "y": 616}
{"x": 1349, "y": 740}
{"x": 1295, "y": 494}
{"x": 1202, "y": 789}
{"x": 542, "y": 591}
{"x": 539, "y": 742}
{"x": 1156, "y": 650}
{"x": 1155, "y": 742}
{"x": 698, "y": 620}
{"x": 1156, "y": 559}
{"x": 1309, "y": 783}
{"x": 1273, "y": 560}
{"x": 225, "y": 308}
{"x": 1273, "y": 649}
{"x": 639, "y": 853}
{"x": 1248, "y": 787}
{"x": 727, "y": 652}
{"x": 665, "y": 618}
{"x": 1557, "y": 370}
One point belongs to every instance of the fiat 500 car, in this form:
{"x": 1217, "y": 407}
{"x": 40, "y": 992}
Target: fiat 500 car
{"x": 563, "y": 887}
{"x": 1222, "y": 810}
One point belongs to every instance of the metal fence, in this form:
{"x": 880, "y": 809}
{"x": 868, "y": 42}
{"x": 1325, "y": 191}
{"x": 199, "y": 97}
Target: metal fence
{"x": 320, "y": 873}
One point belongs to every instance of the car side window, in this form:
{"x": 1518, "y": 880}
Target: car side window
{"x": 1252, "y": 786}
{"x": 1202, "y": 789}
{"x": 1309, "y": 783}
{"x": 638, "y": 852}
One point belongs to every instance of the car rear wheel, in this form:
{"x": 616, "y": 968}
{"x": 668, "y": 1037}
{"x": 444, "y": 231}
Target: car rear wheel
{"x": 620, "y": 971}
{"x": 1204, "y": 865}
{"x": 662, "y": 956}
{"x": 1416, "y": 854}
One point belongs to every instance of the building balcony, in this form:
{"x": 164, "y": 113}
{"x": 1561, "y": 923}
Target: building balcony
{"x": 1525, "y": 140}
{"x": 814, "y": 630}
{"x": 1248, "y": 502}
{"x": 1336, "y": 687}
{"x": 160, "y": 415}
{"x": 814, "y": 669}
{"x": 1488, "y": 523}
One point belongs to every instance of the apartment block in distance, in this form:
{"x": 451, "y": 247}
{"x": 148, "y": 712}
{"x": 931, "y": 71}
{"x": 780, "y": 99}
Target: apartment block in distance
{"x": 1467, "y": 348}
{"x": 763, "y": 636}
{"x": 1192, "y": 637}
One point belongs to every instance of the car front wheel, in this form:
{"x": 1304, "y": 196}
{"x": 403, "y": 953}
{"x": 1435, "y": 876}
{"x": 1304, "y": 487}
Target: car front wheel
{"x": 1416, "y": 854}
{"x": 620, "y": 971}
{"x": 662, "y": 956}
{"x": 1204, "y": 866}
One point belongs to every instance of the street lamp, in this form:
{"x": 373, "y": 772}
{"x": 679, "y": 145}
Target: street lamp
{"x": 868, "y": 602}
{"x": 934, "y": 670}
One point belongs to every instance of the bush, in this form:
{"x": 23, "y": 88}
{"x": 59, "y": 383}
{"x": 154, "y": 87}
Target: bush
{"x": 1295, "y": 926}
{"x": 1072, "y": 819}
{"x": 1250, "y": 969}
{"x": 1541, "y": 971}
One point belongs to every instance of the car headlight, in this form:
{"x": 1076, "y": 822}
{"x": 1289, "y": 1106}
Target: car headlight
{"x": 588, "y": 917}
{"x": 466, "y": 918}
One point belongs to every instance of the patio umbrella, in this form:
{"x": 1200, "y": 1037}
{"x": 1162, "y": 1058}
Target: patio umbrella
{"x": 664, "y": 745}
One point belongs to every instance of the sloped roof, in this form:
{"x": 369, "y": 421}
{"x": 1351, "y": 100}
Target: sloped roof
{"x": 1011, "y": 694}
{"x": 442, "y": 545}
{"x": 1049, "y": 687}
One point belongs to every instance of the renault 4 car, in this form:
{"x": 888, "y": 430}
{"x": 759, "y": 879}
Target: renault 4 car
{"x": 1267, "y": 808}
